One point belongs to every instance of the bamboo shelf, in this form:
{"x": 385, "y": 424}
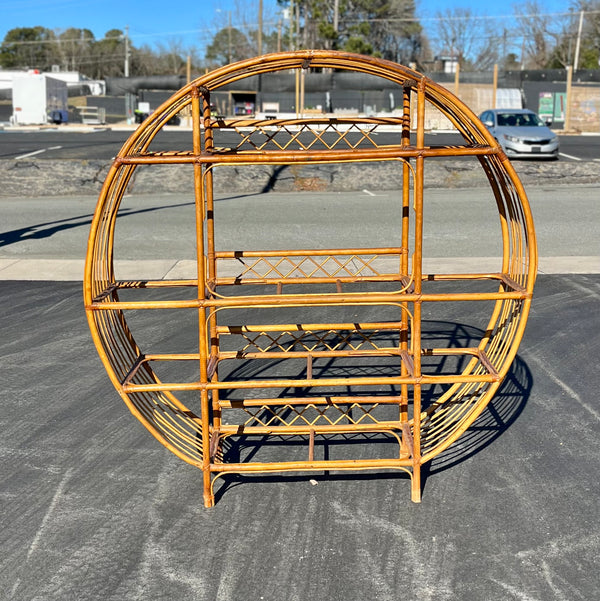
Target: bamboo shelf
{"x": 319, "y": 380}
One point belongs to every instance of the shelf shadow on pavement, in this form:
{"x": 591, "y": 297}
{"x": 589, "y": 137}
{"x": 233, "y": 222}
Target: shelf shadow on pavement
{"x": 500, "y": 413}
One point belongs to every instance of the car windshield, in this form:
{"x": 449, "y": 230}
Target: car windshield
{"x": 519, "y": 119}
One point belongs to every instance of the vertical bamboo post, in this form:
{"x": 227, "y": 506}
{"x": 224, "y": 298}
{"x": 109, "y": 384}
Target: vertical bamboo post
{"x": 201, "y": 273}
{"x": 211, "y": 267}
{"x": 418, "y": 275}
{"x": 404, "y": 333}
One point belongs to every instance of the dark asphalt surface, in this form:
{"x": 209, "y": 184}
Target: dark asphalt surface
{"x": 105, "y": 143}
{"x": 94, "y": 508}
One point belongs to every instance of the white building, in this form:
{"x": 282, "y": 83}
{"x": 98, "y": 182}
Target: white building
{"x": 73, "y": 79}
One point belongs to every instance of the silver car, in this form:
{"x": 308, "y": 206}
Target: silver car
{"x": 521, "y": 133}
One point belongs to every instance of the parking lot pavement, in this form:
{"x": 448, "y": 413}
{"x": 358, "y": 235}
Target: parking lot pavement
{"x": 94, "y": 508}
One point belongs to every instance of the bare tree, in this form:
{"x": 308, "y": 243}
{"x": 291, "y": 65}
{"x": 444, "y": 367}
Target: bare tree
{"x": 244, "y": 19}
{"x": 536, "y": 29}
{"x": 172, "y": 57}
{"x": 570, "y": 36}
{"x": 468, "y": 38}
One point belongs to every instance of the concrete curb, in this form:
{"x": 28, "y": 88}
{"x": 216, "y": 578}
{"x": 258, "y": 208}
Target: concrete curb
{"x": 71, "y": 270}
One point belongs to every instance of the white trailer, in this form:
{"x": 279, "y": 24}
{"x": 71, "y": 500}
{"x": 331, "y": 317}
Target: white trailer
{"x": 38, "y": 99}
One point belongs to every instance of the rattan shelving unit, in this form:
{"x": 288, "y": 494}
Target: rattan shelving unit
{"x": 350, "y": 381}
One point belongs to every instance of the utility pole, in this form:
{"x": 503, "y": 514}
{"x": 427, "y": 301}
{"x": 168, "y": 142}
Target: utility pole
{"x": 336, "y": 14}
{"x": 292, "y": 25}
{"x": 130, "y": 98}
{"x": 126, "y": 68}
{"x": 495, "y": 86}
{"x": 229, "y": 36}
{"x": 279, "y": 36}
{"x": 457, "y": 78}
{"x": 567, "y": 124}
{"x": 523, "y": 54}
{"x": 576, "y": 62}
{"x": 260, "y": 26}
{"x": 81, "y": 48}
{"x": 298, "y": 23}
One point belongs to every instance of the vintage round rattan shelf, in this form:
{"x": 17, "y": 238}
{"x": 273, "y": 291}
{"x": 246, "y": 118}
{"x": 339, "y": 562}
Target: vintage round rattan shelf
{"x": 310, "y": 359}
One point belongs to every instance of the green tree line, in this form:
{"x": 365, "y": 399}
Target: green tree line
{"x": 78, "y": 50}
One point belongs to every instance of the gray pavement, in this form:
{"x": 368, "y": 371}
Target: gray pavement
{"x": 94, "y": 508}
{"x": 45, "y": 239}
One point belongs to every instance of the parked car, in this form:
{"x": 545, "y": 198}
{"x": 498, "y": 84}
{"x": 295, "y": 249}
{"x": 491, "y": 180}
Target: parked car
{"x": 521, "y": 133}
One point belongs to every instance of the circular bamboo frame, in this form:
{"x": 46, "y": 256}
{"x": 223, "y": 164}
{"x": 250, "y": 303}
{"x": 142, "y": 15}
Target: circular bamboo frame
{"x": 201, "y": 435}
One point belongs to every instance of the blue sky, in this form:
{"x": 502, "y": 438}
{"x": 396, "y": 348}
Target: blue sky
{"x": 190, "y": 22}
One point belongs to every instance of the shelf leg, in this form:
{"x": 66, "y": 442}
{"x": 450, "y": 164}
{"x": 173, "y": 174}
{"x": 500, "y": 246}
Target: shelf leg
{"x": 209, "y": 497}
{"x": 415, "y": 486}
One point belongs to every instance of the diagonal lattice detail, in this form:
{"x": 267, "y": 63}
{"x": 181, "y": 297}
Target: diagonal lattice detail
{"x": 310, "y": 267}
{"x": 310, "y": 415}
{"x": 312, "y": 340}
{"x": 306, "y": 136}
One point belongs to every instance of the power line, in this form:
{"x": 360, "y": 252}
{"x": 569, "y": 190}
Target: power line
{"x": 470, "y": 17}
{"x": 273, "y": 24}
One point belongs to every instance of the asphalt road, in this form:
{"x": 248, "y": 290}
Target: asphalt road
{"x": 92, "y": 507}
{"x": 105, "y": 143}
